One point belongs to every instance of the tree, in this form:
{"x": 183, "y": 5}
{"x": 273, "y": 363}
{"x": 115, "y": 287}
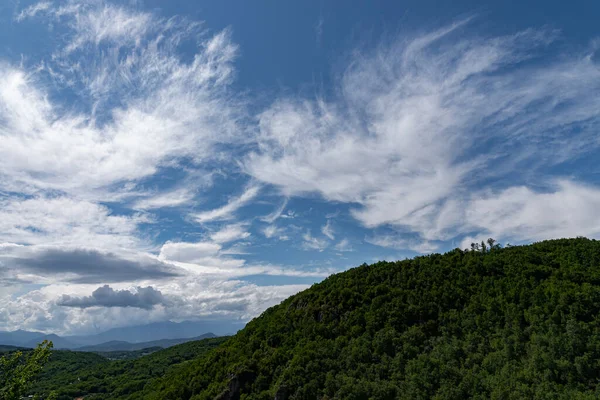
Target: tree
{"x": 492, "y": 243}
{"x": 17, "y": 370}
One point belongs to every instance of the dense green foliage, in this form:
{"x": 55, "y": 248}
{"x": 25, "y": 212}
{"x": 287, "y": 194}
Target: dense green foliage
{"x": 18, "y": 369}
{"x": 72, "y": 374}
{"x": 512, "y": 323}
{"x": 128, "y": 355}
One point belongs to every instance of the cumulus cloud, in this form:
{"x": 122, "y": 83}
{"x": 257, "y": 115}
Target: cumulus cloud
{"x": 105, "y": 296}
{"x": 419, "y": 125}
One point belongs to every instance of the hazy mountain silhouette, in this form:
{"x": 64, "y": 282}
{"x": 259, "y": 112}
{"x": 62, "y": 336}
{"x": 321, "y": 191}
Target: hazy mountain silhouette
{"x": 131, "y": 335}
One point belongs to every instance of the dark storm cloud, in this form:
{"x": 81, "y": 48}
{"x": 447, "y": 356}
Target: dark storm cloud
{"x": 105, "y": 296}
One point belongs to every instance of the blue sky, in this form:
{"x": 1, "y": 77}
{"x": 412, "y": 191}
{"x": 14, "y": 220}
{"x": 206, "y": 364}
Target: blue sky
{"x": 205, "y": 160}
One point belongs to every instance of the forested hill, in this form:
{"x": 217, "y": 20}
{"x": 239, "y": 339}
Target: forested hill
{"x": 75, "y": 374}
{"x": 512, "y": 323}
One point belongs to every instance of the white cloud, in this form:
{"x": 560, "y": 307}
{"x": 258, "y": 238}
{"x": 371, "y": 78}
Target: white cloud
{"x": 194, "y": 280}
{"x": 174, "y": 198}
{"x": 312, "y": 243}
{"x": 275, "y": 214}
{"x": 273, "y": 231}
{"x": 566, "y": 210}
{"x": 421, "y": 123}
{"x": 210, "y": 291}
{"x": 32, "y": 10}
{"x": 140, "y": 108}
{"x": 327, "y": 230}
{"x": 270, "y": 231}
{"x": 399, "y": 242}
{"x": 189, "y": 252}
{"x": 190, "y": 298}
{"x": 230, "y": 233}
{"x": 226, "y": 212}
{"x": 68, "y": 221}
{"x": 95, "y": 24}
{"x": 343, "y": 245}
{"x": 319, "y": 29}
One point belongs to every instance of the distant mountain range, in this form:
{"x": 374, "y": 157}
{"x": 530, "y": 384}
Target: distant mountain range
{"x": 159, "y": 334}
{"x": 118, "y": 345}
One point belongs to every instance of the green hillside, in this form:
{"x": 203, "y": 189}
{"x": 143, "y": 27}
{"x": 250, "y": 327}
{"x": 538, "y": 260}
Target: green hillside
{"x": 512, "y": 323}
{"x": 72, "y": 373}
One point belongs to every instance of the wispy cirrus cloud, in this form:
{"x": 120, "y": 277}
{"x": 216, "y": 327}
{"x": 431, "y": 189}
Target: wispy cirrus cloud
{"x": 174, "y": 198}
{"x": 343, "y": 245}
{"x": 273, "y": 231}
{"x": 313, "y": 243}
{"x": 399, "y": 241}
{"x": 435, "y": 122}
{"x": 226, "y": 212}
{"x": 32, "y": 10}
{"x": 230, "y": 233}
{"x": 327, "y": 230}
{"x": 276, "y": 214}
{"x": 141, "y": 108}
